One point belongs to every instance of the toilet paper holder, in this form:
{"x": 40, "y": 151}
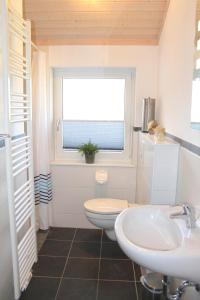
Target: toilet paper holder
{"x": 101, "y": 176}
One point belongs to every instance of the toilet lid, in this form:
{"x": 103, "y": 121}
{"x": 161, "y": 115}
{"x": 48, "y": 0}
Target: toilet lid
{"x": 106, "y": 205}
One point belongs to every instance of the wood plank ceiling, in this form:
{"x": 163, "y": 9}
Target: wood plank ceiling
{"x": 115, "y": 22}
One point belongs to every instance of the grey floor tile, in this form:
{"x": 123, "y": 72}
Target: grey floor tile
{"x": 63, "y": 234}
{"x": 41, "y": 289}
{"x": 159, "y": 297}
{"x": 85, "y": 249}
{"x": 76, "y": 289}
{"x": 88, "y": 235}
{"x": 55, "y": 248}
{"x": 41, "y": 237}
{"x": 143, "y": 294}
{"x": 105, "y": 238}
{"x": 82, "y": 268}
{"x": 116, "y": 269}
{"x": 112, "y": 250}
{"x": 49, "y": 266}
{"x": 116, "y": 290}
{"x": 137, "y": 272}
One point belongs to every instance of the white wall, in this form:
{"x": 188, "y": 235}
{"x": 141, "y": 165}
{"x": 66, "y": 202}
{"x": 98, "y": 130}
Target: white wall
{"x": 175, "y": 88}
{"x": 189, "y": 178}
{"x": 72, "y": 185}
{"x": 175, "y": 70}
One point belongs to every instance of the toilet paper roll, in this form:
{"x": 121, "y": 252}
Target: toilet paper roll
{"x": 101, "y": 176}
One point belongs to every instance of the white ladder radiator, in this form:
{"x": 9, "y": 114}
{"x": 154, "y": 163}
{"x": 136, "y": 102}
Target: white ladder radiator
{"x": 16, "y": 74}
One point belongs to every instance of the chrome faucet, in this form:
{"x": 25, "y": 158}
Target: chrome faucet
{"x": 188, "y": 213}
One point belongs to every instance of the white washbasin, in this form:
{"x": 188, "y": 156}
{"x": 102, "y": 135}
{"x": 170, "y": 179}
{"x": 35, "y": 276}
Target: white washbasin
{"x": 151, "y": 229}
{"x": 152, "y": 239}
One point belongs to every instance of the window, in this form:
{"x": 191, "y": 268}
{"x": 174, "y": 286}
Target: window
{"x": 93, "y": 105}
{"x": 93, "y": 109}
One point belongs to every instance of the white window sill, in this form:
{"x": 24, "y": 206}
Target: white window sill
{"x": 96, "y": 164}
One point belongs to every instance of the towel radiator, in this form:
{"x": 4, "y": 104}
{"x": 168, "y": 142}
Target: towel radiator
{"x": 17, "y": 106}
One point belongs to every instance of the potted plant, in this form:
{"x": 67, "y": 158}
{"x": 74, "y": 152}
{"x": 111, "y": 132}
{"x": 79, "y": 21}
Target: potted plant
{"x": 89, "y": 150}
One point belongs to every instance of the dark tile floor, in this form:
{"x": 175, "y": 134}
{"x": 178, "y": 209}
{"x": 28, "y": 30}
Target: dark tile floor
{"x": 83, "y": 264}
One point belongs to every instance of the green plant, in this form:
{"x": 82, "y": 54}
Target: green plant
{"x": 88, "y": 148}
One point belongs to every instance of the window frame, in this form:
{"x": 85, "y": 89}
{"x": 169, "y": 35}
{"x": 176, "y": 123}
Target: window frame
{"x": 109, "y": 156}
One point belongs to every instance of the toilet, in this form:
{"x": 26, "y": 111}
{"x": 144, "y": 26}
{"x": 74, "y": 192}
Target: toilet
{"x": 102, "y": 212}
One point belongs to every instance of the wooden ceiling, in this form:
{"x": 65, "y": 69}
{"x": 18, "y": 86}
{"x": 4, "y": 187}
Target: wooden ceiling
{"x": 114, "y": 22}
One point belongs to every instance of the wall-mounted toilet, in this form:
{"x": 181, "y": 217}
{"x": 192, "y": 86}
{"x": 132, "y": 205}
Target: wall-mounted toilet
{"x": 102, "y": 212}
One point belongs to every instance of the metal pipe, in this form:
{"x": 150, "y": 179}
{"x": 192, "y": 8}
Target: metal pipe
{"x": 179, "y": 291}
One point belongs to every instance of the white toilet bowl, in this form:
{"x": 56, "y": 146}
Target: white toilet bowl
{"x": 102, "y": 212}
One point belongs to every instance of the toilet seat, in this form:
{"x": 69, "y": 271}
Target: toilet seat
{"x": 102, "y": 213}
{"x": 106, "y": 206}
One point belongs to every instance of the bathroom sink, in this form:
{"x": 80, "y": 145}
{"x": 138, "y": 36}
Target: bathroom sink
{"x": 151, "y": 238}
{"x": 149, "y": 228}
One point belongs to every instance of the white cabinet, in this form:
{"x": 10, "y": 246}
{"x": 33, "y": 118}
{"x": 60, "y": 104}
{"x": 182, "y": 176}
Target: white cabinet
{"x": 157, "y": 170}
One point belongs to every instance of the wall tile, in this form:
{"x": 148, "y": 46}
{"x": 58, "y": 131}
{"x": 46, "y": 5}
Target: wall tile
{"x": 189, "y": 178}
{"x": 73, "y": 185}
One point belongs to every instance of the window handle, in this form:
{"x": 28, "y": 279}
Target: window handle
{"x": 58, "y": 125}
